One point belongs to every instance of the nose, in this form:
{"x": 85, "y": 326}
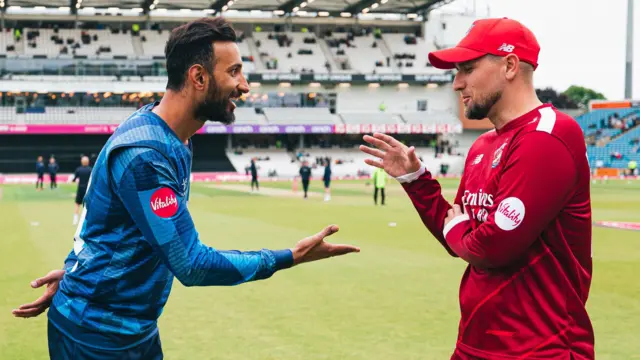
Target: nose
{"x": 458, "y": 82}
{"x": 243, "y": 86}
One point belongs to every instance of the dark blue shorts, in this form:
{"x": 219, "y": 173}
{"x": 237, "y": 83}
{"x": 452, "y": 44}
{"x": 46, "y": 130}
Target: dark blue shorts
{"x": 62, "y": 347}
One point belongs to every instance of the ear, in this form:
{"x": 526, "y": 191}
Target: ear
{"x": 196, "y": 75}
{"x": 512, "y": 66}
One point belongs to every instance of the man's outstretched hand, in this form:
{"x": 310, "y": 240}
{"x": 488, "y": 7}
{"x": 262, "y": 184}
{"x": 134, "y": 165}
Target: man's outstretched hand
{"x": 393, "y": 156}
{"x": 315, "y": 248}
{"x": 52, "y": 280}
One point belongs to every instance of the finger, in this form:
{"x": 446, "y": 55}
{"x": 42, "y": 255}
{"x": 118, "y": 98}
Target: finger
{"x": 44, "y": 280}
{"x": 375, "y": 163}
{"x": 342, "y": 249}
{"x": 372, "y": 151}
{"x": 450, "y": 213}
{"x": 28, "y": 313}
{"x": 456, "y": 209}
{"x": 377, "y": 143}
{"x": 42, "y": 300}
{"x": 388, "y": 139}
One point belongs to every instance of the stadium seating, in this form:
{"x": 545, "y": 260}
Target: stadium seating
{"x": 400, "y": 48}
{"x": 248, "y": 116}
{"x": 101, "y": 44}
{"x": 295, "y": 55}
{"x": 8, "y": 42}
{"x": 295, "y": 52}
{"x": 154, "y": 42}
{"x": 279, "y": 161}
{"x": 361, "y": 56}
{"x": 300, "y": 116}
{"x": 371, "y": 118}
{"x": 68, "y": 115}
{"x": 614, "y": 148}
{"x": 435, "y": 117}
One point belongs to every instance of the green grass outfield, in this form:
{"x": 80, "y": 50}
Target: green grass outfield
{"x": 397, "y": 299}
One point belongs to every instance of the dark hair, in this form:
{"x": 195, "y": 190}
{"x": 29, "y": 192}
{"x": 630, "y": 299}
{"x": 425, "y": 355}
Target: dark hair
{"x": 192, "y": 43}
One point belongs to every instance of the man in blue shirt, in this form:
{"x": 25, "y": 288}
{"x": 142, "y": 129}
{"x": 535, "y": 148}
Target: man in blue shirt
{"x": 135, "y": 232}
{"x": 40, "y": 172}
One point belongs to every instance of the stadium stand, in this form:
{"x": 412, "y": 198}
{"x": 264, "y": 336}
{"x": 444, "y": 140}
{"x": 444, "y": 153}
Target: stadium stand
{"x": 613, "y": 136}
{"x": 360, "y": 54}
{"x": 249, "y": 116}
{"x": 153, "y": 42}
{"x": 371, "y": 118}
{"x": 290, "y": 52}
{"x": 296, "y": 116}
{"x": 8, "y": 44}
{"x": 270, "y": 162}
{"x": 437, "y": 117}
{"x": 410, "y": 52}
{"x": 68, "y": 115}
{"x": 66, "y": 43}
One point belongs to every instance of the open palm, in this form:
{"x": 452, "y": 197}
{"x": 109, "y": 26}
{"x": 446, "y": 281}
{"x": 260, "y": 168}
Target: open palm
{"x": 394, "y": 157}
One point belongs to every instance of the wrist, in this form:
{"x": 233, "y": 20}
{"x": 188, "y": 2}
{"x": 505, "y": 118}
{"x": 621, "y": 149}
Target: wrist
{"x": 284, "y": 259}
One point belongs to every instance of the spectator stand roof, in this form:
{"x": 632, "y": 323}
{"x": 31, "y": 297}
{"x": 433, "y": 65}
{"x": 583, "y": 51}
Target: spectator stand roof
{"x": 332, "y": 7}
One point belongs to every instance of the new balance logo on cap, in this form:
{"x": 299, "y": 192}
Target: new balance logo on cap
{"x": 506, "y": 47}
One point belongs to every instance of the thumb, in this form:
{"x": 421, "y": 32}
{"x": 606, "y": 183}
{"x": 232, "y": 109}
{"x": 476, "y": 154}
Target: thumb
{"x": 412, "y": 154}
{"x": 328, "y": 231}
{"x": 43, "y": 280}
{"x": 38, "y": 282}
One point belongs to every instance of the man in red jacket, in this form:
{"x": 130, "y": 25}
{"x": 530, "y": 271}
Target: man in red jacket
{"x": 522, "y": 215}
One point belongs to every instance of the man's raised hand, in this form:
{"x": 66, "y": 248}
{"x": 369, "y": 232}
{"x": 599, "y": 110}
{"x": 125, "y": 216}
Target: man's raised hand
{"x": 392, "y": 156}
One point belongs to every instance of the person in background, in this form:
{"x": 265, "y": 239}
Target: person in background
{"x": 254, "y": 175}
{"x": 82, "y": 174}
{"x": 305, "y": 175}
{"x": 40, "y": 171}
{"x": 327, "y": 180}
{"x": 53, "y": 171}
{"x": 633, "y": 167}
{"x": 379, "y": 182}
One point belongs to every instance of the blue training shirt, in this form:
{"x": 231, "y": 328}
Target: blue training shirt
{"x": 135, "y": 234}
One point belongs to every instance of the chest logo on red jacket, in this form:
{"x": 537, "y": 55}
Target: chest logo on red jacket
{"x": 510, "y": 213}
{"x": 164, "y": 202}
{"x": 498, "y": 155}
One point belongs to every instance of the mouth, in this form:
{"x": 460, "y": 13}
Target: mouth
{"x": 231, "y": 105}
{"x": 466, "y": 100}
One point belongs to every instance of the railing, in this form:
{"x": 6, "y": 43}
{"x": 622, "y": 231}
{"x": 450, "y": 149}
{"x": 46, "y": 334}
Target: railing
{"x": 82, "y": 67}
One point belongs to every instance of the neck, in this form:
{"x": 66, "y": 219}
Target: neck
{"x": 176, "y": 110}
{"x": 513, "y": 104}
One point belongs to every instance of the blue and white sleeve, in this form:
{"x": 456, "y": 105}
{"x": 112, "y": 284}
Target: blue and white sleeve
{"x": 70, "y": 261}
{"x": 148, "y": 187}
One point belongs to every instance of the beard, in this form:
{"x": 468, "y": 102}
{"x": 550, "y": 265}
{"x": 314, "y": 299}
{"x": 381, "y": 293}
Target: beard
{"x": 216, "y": 107}
{"x": 480, "y": 110}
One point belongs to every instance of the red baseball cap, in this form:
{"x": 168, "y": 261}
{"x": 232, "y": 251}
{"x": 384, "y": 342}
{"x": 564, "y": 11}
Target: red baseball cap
{"x": 499, "y": 37}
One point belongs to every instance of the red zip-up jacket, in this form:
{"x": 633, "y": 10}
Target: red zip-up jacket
{"x": 526, "y": 234}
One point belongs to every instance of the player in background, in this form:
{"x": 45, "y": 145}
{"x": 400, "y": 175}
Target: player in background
{"x": 82, "y": 175}
{"x": 326, "y": 178}
{"x": 522, "y": 215}
{"x": 136, "y": 232}
{"x": 254, "y": 175}
{"x": 379, "y": 183}
{"x": 40, "y": 168}
{"x": 53, "y": 172}
{"x": 305, "y": 177}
